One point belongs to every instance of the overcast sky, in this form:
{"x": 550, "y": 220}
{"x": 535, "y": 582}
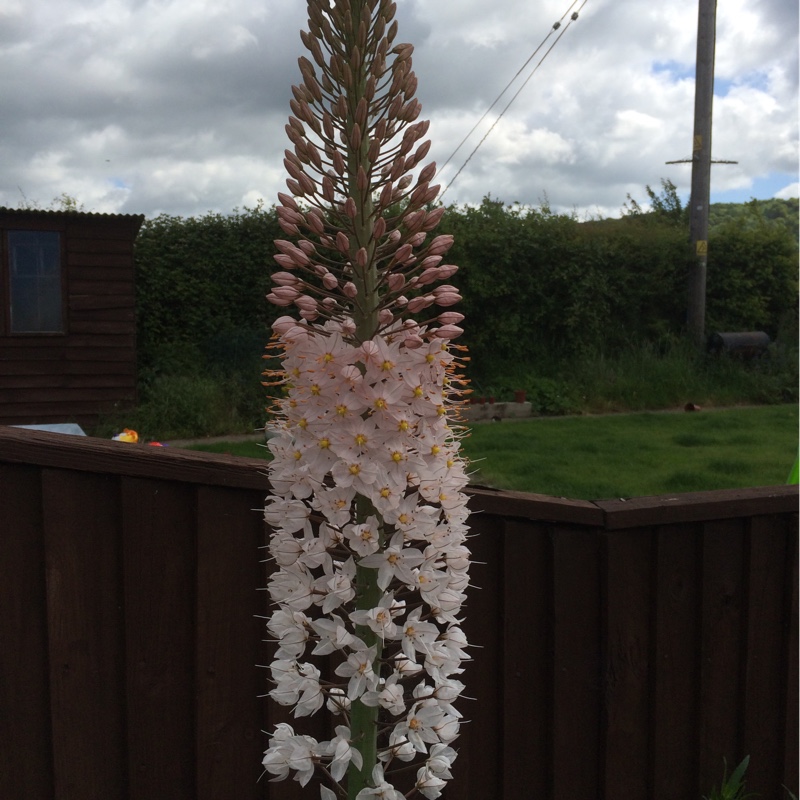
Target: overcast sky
{"x": 179, "y": 106}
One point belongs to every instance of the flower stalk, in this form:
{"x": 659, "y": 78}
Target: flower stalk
{"x": 367, "y": 508}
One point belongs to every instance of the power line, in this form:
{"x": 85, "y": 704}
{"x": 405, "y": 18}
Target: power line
{"x": 556, "y": 26}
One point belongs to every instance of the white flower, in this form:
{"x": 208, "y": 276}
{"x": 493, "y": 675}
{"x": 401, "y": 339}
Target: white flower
{"x": 389, "y": 697}
{"x": 381, "y": 790}
{"x": 358, "y": 668}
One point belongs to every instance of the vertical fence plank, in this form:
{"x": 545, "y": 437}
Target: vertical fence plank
{"x": 229, "y": 715}
{"x": 527, "y": 646}
{"x": 765, "y": 654}
{"x": 627, "y": 664}
{"x": 791, "y": 745}
{"x": 576, "y": 664}
{"x": 25, "y": 734}
{"x": 677, "y": 662}
{"x": 477, "y": 772}
{"x": 159, "y": 521}
{"x": 722, "y": 649}
{"x": 81, "y": 513}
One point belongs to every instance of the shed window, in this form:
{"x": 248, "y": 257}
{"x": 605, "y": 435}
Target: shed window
{"x": 34, "y": 282}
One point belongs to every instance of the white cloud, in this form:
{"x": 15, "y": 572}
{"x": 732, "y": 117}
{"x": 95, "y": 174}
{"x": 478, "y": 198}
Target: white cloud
{"x": 788, "y": 192}
{"x": 141, "y": 106}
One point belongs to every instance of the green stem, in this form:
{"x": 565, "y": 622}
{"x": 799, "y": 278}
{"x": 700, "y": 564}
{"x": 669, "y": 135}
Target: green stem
{"x": 364, "y": 719}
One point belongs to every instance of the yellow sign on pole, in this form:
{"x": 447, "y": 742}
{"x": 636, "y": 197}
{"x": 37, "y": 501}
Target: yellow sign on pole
{"x": 702, "y": 247}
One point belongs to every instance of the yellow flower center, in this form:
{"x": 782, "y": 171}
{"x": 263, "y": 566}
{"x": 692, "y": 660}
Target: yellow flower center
{"x": 397, "y": 456}
{"x": 303, "y": 423}
{"x": 403, "y": 519}
{"x": 435, "y": 450}
{"x": 361, "y": 439}
{"x": 325, "y": 443}
{"x": 380, "y": 403}
{"x": 418, "y": 392}
{"x": 430, "y": 358}
{"x": 403, "y": 426}
{"x": 385, "y": 492}
{"x": 341, "y": 410}
{"x": 315, "y": 389}
{"x": 297, "y": 455}
{"x": 387, "y": 365}
{"x": 327, "y": 358}
{"x": 354, "y": 469}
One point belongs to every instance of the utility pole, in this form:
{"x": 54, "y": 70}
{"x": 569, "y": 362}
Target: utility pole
{"x": 701, "y": 167}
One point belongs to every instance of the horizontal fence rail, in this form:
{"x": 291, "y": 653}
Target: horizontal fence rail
{"x": 624, "y": 648}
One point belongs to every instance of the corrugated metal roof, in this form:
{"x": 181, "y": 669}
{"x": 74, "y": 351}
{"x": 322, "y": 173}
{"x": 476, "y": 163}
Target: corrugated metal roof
{"x": 70, "y": 213}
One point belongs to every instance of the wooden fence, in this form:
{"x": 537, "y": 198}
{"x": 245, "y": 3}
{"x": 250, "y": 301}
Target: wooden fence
{"x": 625, "y": 648}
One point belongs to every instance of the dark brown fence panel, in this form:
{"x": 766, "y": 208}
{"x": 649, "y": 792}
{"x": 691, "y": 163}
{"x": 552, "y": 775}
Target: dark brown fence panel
{"x": 527, "y": 651}
{"x": 622, "y": 649}
{"x": 721, "y": 634}
{"x": 159, "y": 554}
{"x": 480, "y": 745}
{"x": 766, "y": 646}
{"x": 576, "y": 664}
{"x": 85, "y": 632}
{"x": 229, "y": 644}
{"x": 26, "y": 741}
{"x": 628, "y": 667}
{"x": 676, "y": 660}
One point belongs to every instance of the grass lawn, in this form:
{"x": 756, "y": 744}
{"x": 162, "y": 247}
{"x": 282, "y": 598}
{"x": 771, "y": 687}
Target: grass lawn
{"x": 624, "y": 455}
{"x": 635, "y": 455}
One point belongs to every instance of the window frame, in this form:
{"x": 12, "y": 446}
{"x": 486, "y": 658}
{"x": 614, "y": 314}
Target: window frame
{"x": 31, "y": 226}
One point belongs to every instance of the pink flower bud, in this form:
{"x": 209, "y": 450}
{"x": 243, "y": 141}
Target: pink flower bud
{"x": 450, "y": 318}
{"x": 283, "y": 324}
{"x": 342, "y": 243}
{"x": 440, "y": 245}
{"x": 430, "y": 261}
{"x": 448, "y": 332}
{"x": 287, "y": 262}
{"x": 427, "y": 276}
{"x": 285, "y": 279}
{"x": 447, "y": 271}
{"x": 288, "y": 293}
{"x": 278, "y": 301}
{"x": 330, "y": 282}
{"x": 306, "y": 303}
{"x": 396, "y": 282}
{"x": 385, "y": 316}
{"x": 288, "y": 202}
{"x": 446, "y": 295}
{"x": 403, "y": 253}
{"x": 419, "y": 303}
{"x": 350, "y": 289}
{"x": 413, "y": 342}
{"x": 401, "y": 301}
{"x": 447, "y": 298}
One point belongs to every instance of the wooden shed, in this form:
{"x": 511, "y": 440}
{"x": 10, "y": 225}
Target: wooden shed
{"x": 67, "y": 319}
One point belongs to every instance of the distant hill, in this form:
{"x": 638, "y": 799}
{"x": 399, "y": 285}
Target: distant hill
{"x": 785, "y": 213}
